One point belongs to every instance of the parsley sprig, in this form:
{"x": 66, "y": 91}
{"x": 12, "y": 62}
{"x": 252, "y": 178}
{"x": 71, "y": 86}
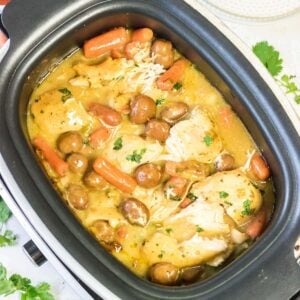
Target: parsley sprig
{"x": 17, "y": 283}
{"x": 7, "y": 238}
{"x": 66, "y": 94}
{"x": 273, "y": 62}
{"x": 118, "y": 144}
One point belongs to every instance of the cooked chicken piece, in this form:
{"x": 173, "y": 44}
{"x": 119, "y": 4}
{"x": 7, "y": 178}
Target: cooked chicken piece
{"x": 234, "y": 191}
{"x": 134, "y": 152}
{"x": 54, "y": 115}
{"x": 194, "y": 139}
{"x": 163, "y": 248}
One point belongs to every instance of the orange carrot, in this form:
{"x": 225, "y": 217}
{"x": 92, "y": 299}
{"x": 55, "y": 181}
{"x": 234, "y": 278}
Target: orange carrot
{"x": 142, "y": 35}
{"x": 113, "y": 39}
{"x": 51, "y": 156}
{"x": 105, "y": 113}
{"x": 185, "y": 203}
{"x": 114, "y": 176}
{"x": 167, "y": 80}
{"x": 99, "y": 136}
{"x": 117, "y": 53}
{"x": 225, "y": 115}
{"x": 259, "y": 167}
{"x": 255, "y": 228}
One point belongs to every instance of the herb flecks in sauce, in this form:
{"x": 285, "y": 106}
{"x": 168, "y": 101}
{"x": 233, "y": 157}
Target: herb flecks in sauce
{"x": 118, "y": 144}
{"x": 66, "y": 94}
{"x": 136, "y": 156}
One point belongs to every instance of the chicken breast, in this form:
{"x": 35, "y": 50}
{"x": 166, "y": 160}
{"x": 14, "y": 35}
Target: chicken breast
{"x": 194, "y": 139}
{"x": 134, "y": 152}
{"x": 54, "y": 115}
{"x": 234, "y": 191}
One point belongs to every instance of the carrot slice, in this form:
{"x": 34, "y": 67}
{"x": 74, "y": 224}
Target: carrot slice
{"x": 255, "y": 228}
{"x": 114, "y": 176}
{"x": 51, "y": 156}
{"x": 167, "y": 80}
{"x": 142, "y": 35}
{"x": 99, "y": 136}
{"x": 106, "y": 114}
{"x": 113, "y": 39}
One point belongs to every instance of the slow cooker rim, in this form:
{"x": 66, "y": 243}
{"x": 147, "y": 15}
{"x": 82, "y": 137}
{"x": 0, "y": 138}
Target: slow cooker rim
{"x": 15, "y": 128}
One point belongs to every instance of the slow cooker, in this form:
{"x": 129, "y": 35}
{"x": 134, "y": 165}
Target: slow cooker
{"x": 42, "y": 34}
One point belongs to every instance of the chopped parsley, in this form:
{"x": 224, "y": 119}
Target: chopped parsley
{"x": 118, "y": 144}
{"x": 199, "y": 229}
{"x": 208, "y": 140}
{"x": 66, "y": 94}
{"x": 169, "y": 230}
{"x": 177, "y": 86}
{"x": 5, "y": 213}
{"x": 160, "y": 101}
{"x": 175, "y": 198}
{"x": 191, "y": 196}
{"x": 136, "y": 156}
{"x": 162, "y": 252}
{"x": 223, "y": 194}
{"x": 7, "y": 238}
{"x": 247, "y": 208}
{"x": 228, "y": 203}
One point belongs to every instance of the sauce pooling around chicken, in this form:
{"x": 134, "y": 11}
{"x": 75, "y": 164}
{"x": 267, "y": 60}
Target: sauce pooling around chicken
{"x": 150, "y": 158}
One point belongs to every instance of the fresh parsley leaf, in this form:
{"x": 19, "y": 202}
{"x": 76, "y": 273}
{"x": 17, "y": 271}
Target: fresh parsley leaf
{"x": 22, "y": 284}
{"x": 247, "y": 208}
{"x": 199, "y": 229}
{"x": 228, "y": 203}
{"x": 177, "y": 86}
{"x": 175, "y": 198}
{"x": 269, "y": 57}
{"x": 5, "y": 213}
{"x": 160, "y": 101}
{"x": 162, "y": 252}
{"x": 66, "y": 94}
{"x": 208, "y": 140}
{"x": 272, "y": 61}
{"x": 136, "y": 156}
{"x": 191, "y": 196}
{"x": 169, "y": 230}
{"x": 223, "y": 194}
{"x": 118, "y": 144}
{"x": 7, "y": 239}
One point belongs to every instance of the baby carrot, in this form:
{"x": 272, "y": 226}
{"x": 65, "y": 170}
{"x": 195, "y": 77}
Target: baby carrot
{"x": 51, "y": 156}
{"x": 114, "y": 176}
{"x": 113, "y": 39}
{"x": 106, "y": 114}
{"x": 255, "y": 228}
{"x": 142, "y": 35}
{"x": 167, "y": 80}
{"x": 99, "y": 136}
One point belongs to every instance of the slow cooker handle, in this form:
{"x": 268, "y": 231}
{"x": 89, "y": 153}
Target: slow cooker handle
{"x": 30, "y": 20}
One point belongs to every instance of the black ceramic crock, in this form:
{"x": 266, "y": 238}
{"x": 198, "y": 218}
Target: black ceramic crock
{"x": 43, "y": 32}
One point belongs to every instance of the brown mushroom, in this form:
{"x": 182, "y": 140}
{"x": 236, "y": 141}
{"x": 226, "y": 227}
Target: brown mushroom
{"x": 148, "y": 175}
{"x": 158, "y": 130}
{"x": 224, "y": 162}
{"x": 164, "y": 273}
{"x": 163, "y": 54}
{"x": 174, "y": 112}
{"x": 69, "y": 142}
{"x": 77, "y": 196}
{"x": 143, "y": 109}
{"x": 78, "y": 163}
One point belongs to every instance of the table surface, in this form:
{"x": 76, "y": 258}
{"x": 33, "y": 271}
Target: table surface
{"x": 283, "y": 34}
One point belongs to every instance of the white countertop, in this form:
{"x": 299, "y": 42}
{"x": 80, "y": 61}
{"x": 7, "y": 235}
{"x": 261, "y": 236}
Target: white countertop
{"x": 283, "y": 34}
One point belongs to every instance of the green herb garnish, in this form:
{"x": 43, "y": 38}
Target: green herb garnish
{"x": 5, "y": 213}
{"x": 247, "y": 208}
{"x": 208, "y": 140}
{"x": 160, "y": 101}
{"x": 136, "y": 156}
{"x": 17, "y": 283}
{"x": 228, "y": 203}
{"x": 118, "y": 144}
{"x": 162, "y": 252}
{"x": 66, "y": 94}
{"x": 177, "y": 86}
{"x": 191, "y": 196}
{"x": 273, "y": 62}
{"x": 169, "y": 230}
{"x": 175, "y": 198}
{"x": 199, "y": 229}
{"x": 223, "y": 194}
{"x": 7, "y": 238}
